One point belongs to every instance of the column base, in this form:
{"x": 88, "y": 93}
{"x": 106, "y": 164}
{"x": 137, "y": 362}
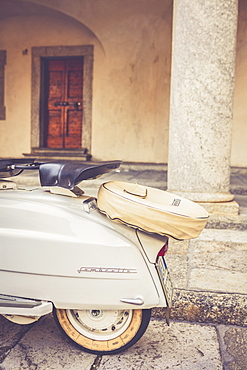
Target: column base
{"x": 222, "y": 208}
{"x": 205, "y": 197}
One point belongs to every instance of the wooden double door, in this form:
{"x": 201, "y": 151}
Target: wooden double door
{"x": 63, "y": 118}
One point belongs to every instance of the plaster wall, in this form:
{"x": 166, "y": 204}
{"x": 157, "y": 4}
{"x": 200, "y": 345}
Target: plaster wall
{"x": 131, "y": 76}
{"x": 239, "y": 134}
{"x": 21, "y": 34}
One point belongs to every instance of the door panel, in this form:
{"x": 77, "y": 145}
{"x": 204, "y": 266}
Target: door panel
{"x": 64, "y": 103}
{"x": 73, "y": 134}
{"x": 74, "y": 84}
{"x": 55, "y": 136}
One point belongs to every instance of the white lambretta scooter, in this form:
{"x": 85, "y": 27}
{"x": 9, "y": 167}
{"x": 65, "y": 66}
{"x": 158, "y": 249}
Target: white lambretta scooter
{"x": 97, "y": 264}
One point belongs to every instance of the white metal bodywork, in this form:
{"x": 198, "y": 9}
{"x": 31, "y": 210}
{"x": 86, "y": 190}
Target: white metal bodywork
{"x": 52, "y": 250}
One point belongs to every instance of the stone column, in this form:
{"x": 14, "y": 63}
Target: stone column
{"x": 202, "y": 83}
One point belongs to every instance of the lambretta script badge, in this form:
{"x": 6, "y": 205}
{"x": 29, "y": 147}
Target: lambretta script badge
{"x": 107, "y": 270}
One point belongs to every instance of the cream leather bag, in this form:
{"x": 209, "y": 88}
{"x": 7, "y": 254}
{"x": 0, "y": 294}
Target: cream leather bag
{"x": 151, "y": 210}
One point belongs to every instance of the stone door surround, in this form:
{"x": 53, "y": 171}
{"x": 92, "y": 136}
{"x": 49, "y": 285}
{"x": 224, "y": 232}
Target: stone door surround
{"x": 36, "y": 92}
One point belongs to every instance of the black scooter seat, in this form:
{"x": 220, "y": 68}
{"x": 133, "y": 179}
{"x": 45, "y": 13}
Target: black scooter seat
{"x": 64, "y": 174}
{"x": 68, "y": 175}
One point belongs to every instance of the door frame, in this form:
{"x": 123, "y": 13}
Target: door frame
{"x": 37, "y": 97}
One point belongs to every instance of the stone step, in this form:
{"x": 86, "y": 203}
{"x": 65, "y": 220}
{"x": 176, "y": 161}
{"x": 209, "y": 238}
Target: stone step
{"x": 209, "y": 277}
{"x": 232, "y": 236}
{"x": 46, "y": 154}
{"x": 207, "y": 307}
{"x": 223, "y": 222}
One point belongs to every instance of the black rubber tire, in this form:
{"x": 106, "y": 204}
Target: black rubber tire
{"x": 135, "y": 330}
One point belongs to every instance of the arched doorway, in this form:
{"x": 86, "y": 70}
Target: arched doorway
{"x": 44, "y": 35}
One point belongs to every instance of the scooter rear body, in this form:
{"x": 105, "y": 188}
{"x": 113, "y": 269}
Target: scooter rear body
{"x": 53, "y": 250}
{"x": 59, "y": 253}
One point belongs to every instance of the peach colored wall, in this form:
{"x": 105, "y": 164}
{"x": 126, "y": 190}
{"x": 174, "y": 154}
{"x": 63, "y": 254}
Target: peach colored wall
{"x": 239, "y": 135}
{"x": 132, "y": 40}
{"x": 130, "y": 79}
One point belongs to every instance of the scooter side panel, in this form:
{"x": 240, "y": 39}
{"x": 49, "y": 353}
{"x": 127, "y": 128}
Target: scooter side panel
{"x": 55, "y": 253}
{"x": 88, "y": 293}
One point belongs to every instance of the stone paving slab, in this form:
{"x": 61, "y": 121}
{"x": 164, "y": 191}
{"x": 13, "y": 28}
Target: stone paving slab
{"x": 40, "y": 348}
{"x": 215, "y": 261}
{"x": 182, "y": 346}
{"x": 233, "y": 344}
{"x": 208, "y": 264}
{"x": 218, "y": 261}
{"x": 209, "y": 276}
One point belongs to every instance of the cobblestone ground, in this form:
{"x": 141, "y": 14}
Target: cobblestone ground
{"x": 182, "y": 345}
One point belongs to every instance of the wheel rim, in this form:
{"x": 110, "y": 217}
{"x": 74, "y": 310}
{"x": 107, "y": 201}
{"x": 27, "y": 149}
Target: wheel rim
{"x": 100, "y": 325}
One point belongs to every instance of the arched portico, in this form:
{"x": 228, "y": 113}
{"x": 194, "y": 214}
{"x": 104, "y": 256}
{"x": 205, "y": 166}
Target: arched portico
{"x": 131, "y": 72}
{"x": 52, "y": 35}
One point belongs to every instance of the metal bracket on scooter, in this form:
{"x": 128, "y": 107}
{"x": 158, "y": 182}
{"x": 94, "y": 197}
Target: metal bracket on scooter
{"x": 11, "y": 305}
{"x": 89, "y": 204}
{"x": 138, "y": 301}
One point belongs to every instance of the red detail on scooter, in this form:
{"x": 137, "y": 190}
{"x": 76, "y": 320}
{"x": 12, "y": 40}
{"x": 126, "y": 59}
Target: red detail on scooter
{"x": 163, "y": 250}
